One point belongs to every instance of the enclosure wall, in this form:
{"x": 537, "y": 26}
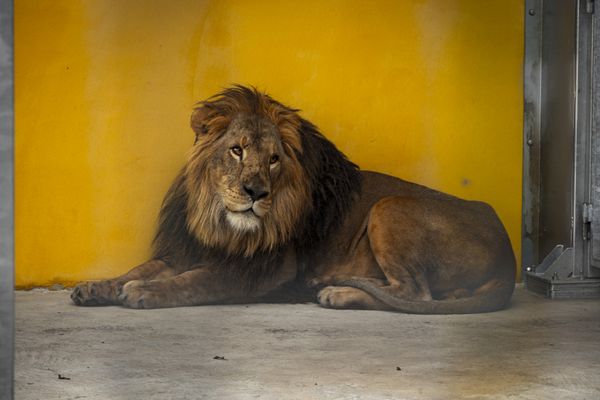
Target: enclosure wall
{"x": 430, "y": 91}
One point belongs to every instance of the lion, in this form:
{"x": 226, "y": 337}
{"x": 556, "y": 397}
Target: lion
{"x": 267, "y": 209}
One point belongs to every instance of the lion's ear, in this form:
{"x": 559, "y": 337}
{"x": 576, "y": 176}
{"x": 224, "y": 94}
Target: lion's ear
{"x": 198, "y": 120}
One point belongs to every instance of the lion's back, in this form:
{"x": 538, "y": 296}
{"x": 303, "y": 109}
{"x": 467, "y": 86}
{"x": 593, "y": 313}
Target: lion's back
{"x": 423, "y": 203}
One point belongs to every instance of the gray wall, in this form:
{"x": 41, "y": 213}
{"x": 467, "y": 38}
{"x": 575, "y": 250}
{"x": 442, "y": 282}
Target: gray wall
{"x": 6, "y": 200}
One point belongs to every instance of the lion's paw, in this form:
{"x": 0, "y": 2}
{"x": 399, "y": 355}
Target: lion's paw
{"x": 138, "y": 294}
{"x": 94, "y": 293}
{"x": 341, "y": 297}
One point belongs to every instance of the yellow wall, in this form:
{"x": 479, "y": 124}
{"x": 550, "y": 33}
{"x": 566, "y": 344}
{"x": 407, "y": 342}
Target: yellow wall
{"x": 426, "y": 90}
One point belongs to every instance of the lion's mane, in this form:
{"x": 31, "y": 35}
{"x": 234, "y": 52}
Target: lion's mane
{"x": 312, "y": 198}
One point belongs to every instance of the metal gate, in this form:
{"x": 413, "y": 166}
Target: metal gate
{"x": 561, "y": 158}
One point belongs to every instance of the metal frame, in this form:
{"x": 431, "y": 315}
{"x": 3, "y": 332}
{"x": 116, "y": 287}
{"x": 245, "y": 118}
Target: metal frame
{"x": 7, "y": 312}
{"x": 566, "y": 271}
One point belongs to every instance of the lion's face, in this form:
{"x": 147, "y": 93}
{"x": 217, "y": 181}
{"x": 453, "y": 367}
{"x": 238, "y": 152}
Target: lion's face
{"x": 247, "y": 191}
{"x": 246, "y": 170}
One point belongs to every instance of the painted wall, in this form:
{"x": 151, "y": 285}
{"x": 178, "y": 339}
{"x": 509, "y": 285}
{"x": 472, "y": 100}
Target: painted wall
{"x": 430, "y": 91}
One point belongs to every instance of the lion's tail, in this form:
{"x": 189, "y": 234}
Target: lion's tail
{"x": 495, "y": 298}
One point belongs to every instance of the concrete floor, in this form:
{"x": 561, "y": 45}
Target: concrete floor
{"x": 538, "y": 349}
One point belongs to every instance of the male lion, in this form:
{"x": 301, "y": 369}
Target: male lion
{"x": 267, "y": 209}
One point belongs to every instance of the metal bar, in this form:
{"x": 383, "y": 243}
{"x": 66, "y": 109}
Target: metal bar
{"x": 532, "y": 73}
{"x": 592, "y": 261}
{"x": 6, "y": 200}
{"x": 582, "y": 163}
{"x": 583, "y": 140}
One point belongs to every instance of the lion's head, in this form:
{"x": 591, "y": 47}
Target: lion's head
{"x": 247, "y": 188}
{"x": 257, "y": 178}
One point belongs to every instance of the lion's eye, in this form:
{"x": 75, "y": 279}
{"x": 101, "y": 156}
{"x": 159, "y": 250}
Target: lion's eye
{"x": 237, "y": 151}
{"x": 274, "y": 158}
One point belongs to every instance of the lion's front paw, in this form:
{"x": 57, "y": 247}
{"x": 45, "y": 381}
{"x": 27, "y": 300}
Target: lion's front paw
{"x": 94, "y": 293}
{"x": 139, "y": 294}
{"x": 342, "y": 297}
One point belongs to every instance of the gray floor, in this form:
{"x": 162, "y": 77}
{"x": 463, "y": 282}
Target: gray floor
{"x": 537, "y": 349}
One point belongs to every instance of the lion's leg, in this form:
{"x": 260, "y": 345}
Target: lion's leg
{"x": 195, "y": 287}
{"x": 390, "y": 241}
{"x": 393, "y": 241}
{"x": 105, "y": 292}
{"x": 397, "y": 242}
{"x": 206, "y": 285}
{"x": 361, "y": 264}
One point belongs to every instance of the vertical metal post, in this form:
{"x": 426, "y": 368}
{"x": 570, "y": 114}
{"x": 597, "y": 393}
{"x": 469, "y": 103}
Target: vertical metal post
{"x": 532, "y": 74}
{"x": 583, "y": 136}
{"x": 6, "y": 201}
{"x": 592, "y": 267}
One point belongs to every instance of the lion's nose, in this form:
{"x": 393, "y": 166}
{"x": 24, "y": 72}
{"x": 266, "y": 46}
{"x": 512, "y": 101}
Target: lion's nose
{"x": 256, "y": 192}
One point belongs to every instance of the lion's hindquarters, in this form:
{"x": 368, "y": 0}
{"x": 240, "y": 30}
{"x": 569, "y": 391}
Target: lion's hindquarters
{"x": 429, "y": 247}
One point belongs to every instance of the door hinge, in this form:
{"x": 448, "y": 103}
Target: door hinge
{"x": 589, "y": 6}
{"x": 587, "y": 214}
